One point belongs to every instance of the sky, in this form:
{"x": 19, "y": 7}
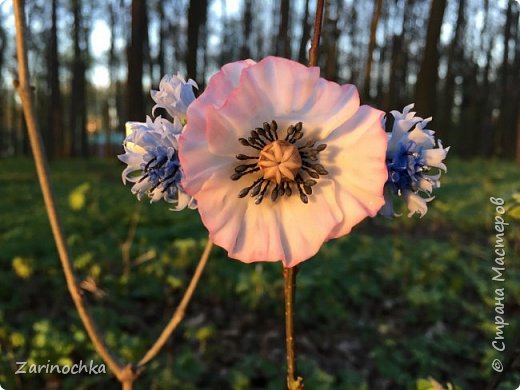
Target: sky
{"x": 99, "y": 46}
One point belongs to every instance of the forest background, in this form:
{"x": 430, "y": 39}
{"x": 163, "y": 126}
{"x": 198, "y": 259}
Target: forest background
{"x": 386, "y": 307}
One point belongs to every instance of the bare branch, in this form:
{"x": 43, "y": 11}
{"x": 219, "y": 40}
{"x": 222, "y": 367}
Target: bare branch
{"x": 313, "y": 52}
{"x": 42, "y": 169}
{"x": 180, "y": 311}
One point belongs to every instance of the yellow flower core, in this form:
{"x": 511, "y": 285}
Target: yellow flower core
{"x": 280, "y": 161}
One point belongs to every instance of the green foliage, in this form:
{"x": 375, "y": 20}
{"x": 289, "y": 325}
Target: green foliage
{"x": 432, "y": 384}
{"x": 391, "y": 303}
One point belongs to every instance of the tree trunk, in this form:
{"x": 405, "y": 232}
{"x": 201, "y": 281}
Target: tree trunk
{"x": 4, "y": 138}
{"x": 260, "y": 39}
{"x": 352, "y": 31}
{"x": 469, "y": 110}
{"x": 425, "y": 92}
{"x": 163, "y": 31}
{"x": 203, "y": 44}
{"x": 197, "y": 14}
{"x": 455, "y": 57}
{"x": 75, "y": 137}
{"x": 517, "y": 158}
{"x": 55, "y": 123}
{"x": 247, "y": 21}
{"x": 283, "y": 43}
{"x": 112, "y": 69}
{"x": 486, "y": 136}
{"x": 135, "y": 57}
{"x": 13, "y": 125}
{"x": 306, "y": 35}
{"x": 396, "y": 97}
{"x": 484, "y": 117}
{"x": 383, "y": 52}
{"x": 392, "y": 100}
{"x": 331, "y": 34}
{"x": 378, "y": 4}
{"x": 516, "y": 92}
{"x": 409, "y": 32}
{"x": 504, "y": 123}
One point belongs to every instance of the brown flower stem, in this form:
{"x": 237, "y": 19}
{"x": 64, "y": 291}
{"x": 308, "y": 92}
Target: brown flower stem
{"x": 42, "y": 169}
{"x": 127, "y": 377}
{"x": 313, "y": 52}
{"x": 180, "y": 311}
{"x": 289, "y": 274}
{"x": 289, "y": 277}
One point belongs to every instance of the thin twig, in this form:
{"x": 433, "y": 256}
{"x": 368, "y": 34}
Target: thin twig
{"x": 127, "y": 244}
{"x": 125, "y": 374}
{"x": 313, "y": 51}
{"x": 289, "y": 278}
{"x": 42, "y": 169}
{"x": 180, "y": 311}
{"x": 289, "y": 274}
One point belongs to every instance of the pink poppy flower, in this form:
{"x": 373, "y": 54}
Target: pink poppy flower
{"x": 281, "y": 160}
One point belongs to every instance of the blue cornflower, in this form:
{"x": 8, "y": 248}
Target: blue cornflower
{"x": 411, "y": 156}
{"x": 174, "y": 95}
{"x": 151, "y": 154}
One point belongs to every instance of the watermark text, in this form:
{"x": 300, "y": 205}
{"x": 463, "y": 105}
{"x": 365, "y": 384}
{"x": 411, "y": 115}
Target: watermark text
{"x": 49, "y": 368}
{"x": 498, "y": 272}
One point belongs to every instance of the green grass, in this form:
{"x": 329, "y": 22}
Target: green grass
{"x": 391, "y": 303}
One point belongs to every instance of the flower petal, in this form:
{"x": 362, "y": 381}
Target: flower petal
{"x": 416, "y": 203}
{"x": 290, "y": 229}
{"x": 193, "y": 142}
{"x": 222, "y": 83}
{"x": 292, "y": 92}
{"x": 425, "y": 185}
{"x": 268, "y": 232}
{"x": 421, "y": 138}
{"x": 434, "y": 157}
{"x": 356, "y": 157}
{"x": 304, "y": 228}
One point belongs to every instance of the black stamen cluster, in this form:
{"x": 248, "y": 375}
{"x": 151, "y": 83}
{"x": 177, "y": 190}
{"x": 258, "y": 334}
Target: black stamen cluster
{"x": 261, "y": 137}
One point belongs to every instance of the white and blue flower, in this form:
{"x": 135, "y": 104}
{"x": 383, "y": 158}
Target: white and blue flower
{"x": 174, "y": 95}
{"x": 151, "y": 155}
{"x": 414, "y": 161}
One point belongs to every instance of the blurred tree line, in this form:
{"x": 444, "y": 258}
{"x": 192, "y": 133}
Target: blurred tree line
{"x": 93, "y": 62}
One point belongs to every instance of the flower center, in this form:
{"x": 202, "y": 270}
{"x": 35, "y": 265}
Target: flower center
{"x": 406, "y": 168}
{"x": 280, "y": 161}
{"x": 162, "y": 170}
{"x": 282, "y": 164}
